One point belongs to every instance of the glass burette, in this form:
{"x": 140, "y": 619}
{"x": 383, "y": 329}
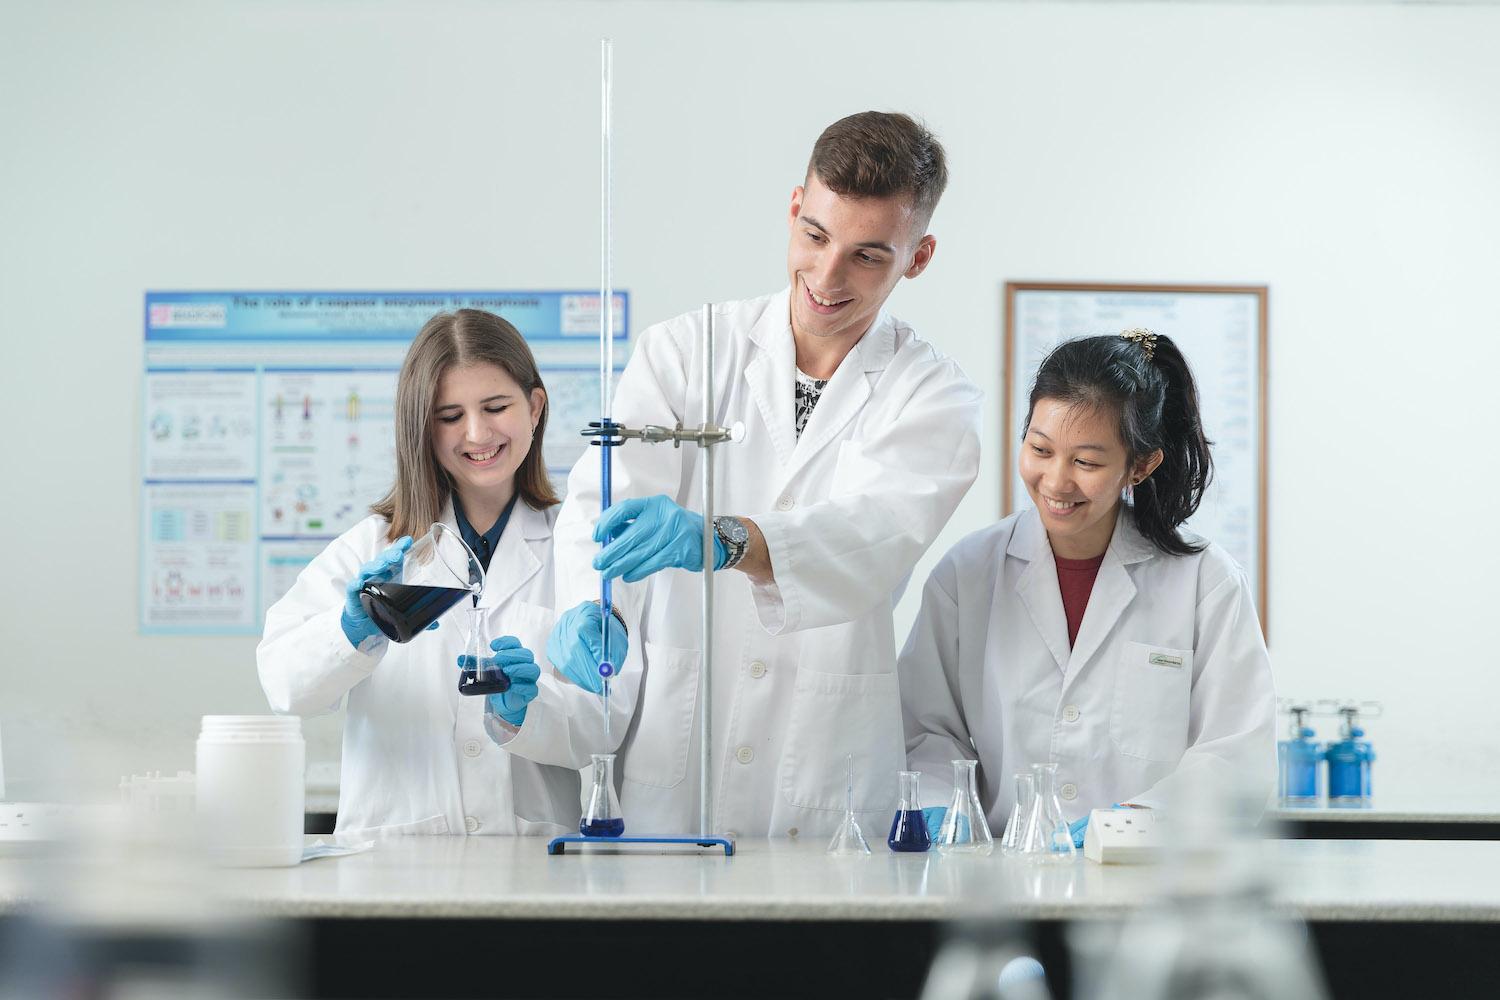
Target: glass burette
{"x": 606, "y": 346}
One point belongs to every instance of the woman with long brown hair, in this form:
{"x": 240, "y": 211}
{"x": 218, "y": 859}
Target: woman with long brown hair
{"x": 418, "y": 757}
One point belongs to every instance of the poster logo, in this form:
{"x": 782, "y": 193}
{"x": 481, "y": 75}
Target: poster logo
{"x": 165, "y": 315}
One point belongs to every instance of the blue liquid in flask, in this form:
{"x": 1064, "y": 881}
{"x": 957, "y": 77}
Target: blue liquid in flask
{"x": 404, "y": 610}
{"x": 602, "y": 827}
{"x": 909, "y": 831}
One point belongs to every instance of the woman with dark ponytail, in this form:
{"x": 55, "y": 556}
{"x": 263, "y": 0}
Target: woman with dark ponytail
{"x": 1092, "y": 631}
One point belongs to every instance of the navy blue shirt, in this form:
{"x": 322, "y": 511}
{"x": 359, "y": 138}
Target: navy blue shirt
{"x": 482, "y": 545}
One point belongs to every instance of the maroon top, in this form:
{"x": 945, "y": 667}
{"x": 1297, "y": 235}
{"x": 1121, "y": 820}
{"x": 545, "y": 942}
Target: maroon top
{"x": 1075, "y": 577}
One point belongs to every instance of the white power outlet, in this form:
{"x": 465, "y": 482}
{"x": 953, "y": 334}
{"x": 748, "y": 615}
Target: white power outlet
{"x": 1124, "y": 837}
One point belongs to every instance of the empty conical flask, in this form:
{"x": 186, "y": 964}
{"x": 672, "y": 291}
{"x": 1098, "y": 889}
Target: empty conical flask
{"x": 602, "y": 818}
{"x": 1047, "y": 839}
{"x": 1015, "y": 827}
{"x": 964, "y": 830}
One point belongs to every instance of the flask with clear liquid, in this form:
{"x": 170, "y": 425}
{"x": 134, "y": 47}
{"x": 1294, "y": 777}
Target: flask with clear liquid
{"x": 1015, "y": 827}
{"x": 1047, "y": 839}
{"x": 964, "y": 830}
{"x": 602, "y": 818}
{"x": 909, "y": 827}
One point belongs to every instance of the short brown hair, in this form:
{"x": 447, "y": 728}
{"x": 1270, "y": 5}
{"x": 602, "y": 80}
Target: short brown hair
{"x": 447, "y": 341}
{"x": 877, "y": 154}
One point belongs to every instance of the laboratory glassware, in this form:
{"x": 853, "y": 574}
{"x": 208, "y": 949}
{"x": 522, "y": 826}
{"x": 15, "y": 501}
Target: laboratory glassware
{"x": 964, "y": 830}
{"x": 1015, "y": 827}
{"x": 1047, "y": 839}
{"x": 1349, "y": 759}
{"x": 602, "y": 818}
{"x": 1298, "y": 774}
{"x": 437, "y": 572}
{"x": 909, "y": 827}
{"x": 478, "y": 672}
{"x": 849, "y": 839}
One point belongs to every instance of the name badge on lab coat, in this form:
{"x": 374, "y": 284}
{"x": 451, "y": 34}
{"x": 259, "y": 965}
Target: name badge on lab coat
{"x": 1164, "y": 660}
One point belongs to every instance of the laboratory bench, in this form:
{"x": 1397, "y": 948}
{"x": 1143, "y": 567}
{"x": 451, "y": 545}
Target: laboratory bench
{"x": 1391, "y": 817}
{"x": 455, "y": 916}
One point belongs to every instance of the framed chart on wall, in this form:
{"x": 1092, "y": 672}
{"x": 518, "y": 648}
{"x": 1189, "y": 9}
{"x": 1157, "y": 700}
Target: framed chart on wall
{"x": 1222, "y": 331}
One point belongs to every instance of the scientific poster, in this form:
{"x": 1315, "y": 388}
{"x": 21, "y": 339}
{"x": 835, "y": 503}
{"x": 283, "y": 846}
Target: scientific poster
{"x": 267, "y": 429}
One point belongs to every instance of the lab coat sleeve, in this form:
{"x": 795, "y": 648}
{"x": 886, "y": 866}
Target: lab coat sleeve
{"x": 306, "y": 662}
{"x": 928, "y": 670}
{"x": 894, "y": 490}
{"x": 1232, "y": 723}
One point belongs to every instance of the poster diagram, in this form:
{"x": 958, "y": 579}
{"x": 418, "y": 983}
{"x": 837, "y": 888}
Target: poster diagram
{"x": 268, "y": 429}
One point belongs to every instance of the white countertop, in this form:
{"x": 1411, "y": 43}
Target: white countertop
{"x": 504, "y": 877}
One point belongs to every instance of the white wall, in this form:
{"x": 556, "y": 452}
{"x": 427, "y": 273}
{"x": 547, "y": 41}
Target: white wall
{"x": 1345, "y": 156}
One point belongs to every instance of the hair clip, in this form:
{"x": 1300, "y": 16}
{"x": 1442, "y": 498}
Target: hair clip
{"x": 1144, "y": 337}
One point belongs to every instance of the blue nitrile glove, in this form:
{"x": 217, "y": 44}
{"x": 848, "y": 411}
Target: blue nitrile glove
{"x": 933, "y": 817}
{"x": 1080, "y": 826}
{"x": 517, "y": 663}
{"x": 650, "y": 535}
{"x": 384, "y": 567}
{"x": 575, "y": 646}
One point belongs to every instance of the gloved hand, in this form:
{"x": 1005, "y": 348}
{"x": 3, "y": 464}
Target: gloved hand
{"x": 383, "y": 568}
{"x": 650, "y": 535}
{"x": 933, "y": 817}
{"x": 575, "y": 645}
{"x": 517, "y": 663}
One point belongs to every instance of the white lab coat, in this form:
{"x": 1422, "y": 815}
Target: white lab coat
{"x": 416, "y": 756}
{"x": 988, "y": 662}
{"x": 804, "y": 671}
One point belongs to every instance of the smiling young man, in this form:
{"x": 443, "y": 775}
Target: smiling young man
{"x": 860, "y": 440}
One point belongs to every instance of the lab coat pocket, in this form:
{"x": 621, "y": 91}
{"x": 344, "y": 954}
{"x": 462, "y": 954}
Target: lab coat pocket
{"x": 657, "y": 755}
{"x": 833, "y": 716}
{"x": 1153, "y": 689}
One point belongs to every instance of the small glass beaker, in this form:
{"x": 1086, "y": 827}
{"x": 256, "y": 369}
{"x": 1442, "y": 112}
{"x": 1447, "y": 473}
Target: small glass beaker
{"x": 436, "y": 573}
{"x": 1015, "y": 827}
{"x": 602, "y": 818}
{"x": 1047, "y": 839}
{"x": 964, "y": 830}
{"x": 909, "y": 827}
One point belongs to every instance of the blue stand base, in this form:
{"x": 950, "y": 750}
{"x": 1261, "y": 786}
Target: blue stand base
{"x": 560, "y": 844}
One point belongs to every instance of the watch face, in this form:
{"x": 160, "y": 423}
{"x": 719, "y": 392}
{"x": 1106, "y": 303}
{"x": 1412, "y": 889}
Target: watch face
{"x": 733, "y": 530}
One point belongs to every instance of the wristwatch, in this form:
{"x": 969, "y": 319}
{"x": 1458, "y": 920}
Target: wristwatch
{"x": 735, "y": 536}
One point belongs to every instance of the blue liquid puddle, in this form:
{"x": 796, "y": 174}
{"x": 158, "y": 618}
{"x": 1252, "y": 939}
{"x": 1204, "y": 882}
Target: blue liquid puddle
{"x": 602, "y": 827}
{"x": 909, "y": 831}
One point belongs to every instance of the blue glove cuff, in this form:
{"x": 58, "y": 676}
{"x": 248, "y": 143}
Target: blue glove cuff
{"x": 352, "y": 630}
{"x": 721, "y": 553}
{"x": 512, "y": 716}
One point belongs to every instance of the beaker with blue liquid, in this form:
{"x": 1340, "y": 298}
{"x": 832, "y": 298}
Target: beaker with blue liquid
{"x": 436, "y": 573}
{"x": 603, "y": 818}
{"x": 909, "y": 827}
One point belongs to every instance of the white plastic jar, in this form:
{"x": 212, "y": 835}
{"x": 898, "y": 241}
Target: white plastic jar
{"x": 251, "y": 789}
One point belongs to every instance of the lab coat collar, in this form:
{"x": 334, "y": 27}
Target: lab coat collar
{"x": 772, "y": 379}
{"x": 1038, "y": 589}
{"x": 515, "y": 560}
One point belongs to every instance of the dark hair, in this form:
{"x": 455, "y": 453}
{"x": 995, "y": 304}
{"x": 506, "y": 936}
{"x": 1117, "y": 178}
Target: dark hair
{"x": 1157, "y": 404}
{"x": 447, "y": 341}
{"x": 876, "y": 154}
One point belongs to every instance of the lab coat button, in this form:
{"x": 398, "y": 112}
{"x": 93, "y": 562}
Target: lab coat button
{"x": 1071, "y": 713}
{"x": 785, "y": 502}
{"x": 473, "y": 749}
{"x": 471, "y": 824}
{"x": 757, "y": 669}
{"x": 745, "y": 755}
{"x": 1069, "y": 791}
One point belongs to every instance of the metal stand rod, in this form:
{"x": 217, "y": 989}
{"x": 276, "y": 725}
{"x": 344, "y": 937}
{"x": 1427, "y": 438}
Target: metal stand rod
{"x": 706, "y": 688}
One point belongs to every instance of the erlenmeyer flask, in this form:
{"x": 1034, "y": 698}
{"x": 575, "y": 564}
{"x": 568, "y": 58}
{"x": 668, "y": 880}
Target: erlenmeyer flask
{"x": 1047, "y": 839}
{"x": 602, "y": 818}
{"x": 477, "y": 672}
{"x": 437, "y": 572}
{"x": 964, "y": 830}
{"x": 909, "y": 828}
{"x": 1015, "y": 827}
{"x": 849, "y": 839}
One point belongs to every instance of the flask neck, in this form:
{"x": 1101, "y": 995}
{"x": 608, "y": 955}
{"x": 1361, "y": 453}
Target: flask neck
{"x": 909, "y": 794}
